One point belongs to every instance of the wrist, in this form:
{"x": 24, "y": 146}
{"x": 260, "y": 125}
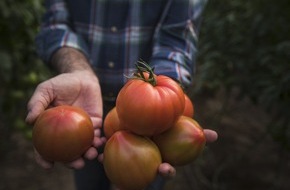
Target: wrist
{"x": 68, "y": 60}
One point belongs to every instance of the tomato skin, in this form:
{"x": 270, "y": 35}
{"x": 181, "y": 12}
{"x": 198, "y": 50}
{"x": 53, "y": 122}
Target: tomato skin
{"x": 149, "y": 110}
{"x": 182, "y": 143}
{"x": 62, "y": 133}
{"x": 189, "y": 107}
{"x": 111, "y": 123}
{"x": 131, "y": 161}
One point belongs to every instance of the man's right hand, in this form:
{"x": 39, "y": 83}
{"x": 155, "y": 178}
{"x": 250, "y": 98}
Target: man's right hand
{"x": 76, "y": 85}
{"x": 79, "y": 89}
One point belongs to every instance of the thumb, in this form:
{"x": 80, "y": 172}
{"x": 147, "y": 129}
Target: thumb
{"x": 33, "y": 112}
{"x": 166, "y": 170}
{"x": 40, "y": 100}
{"x": 210, "y": 135}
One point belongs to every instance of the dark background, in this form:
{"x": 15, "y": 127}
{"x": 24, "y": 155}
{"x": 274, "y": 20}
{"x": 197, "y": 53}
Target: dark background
{"x": 241, "y": 90}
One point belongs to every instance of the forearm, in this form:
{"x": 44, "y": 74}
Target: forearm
{"x": 67, "y": 60}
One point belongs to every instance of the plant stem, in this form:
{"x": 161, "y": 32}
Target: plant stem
{"x": 144, "y": 67}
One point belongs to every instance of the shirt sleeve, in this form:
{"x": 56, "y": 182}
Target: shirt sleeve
{"x": 56, "y": 31}
{"x": 175, "y": 45}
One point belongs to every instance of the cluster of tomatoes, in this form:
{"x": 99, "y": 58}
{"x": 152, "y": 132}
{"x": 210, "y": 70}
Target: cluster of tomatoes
{"x": 151, "y": 123}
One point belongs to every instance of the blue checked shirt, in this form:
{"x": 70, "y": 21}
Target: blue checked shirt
{"x": 114, "y": 34}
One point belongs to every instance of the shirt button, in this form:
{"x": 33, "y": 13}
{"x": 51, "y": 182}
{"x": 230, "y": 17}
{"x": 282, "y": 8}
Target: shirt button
{"x": 114, "y": 29}
{"x": 111, "y": 64}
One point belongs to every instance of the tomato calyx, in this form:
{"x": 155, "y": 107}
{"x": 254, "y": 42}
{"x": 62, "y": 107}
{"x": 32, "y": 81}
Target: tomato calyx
{"x": 141, "y": 69}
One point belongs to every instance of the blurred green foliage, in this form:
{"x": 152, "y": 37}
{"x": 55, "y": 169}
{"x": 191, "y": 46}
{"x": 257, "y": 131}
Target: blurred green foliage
{"x": 245, "y": 45}
{"x": 20, "y": 68}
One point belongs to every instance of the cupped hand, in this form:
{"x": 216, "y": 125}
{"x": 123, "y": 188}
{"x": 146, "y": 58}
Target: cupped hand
{"x": 79, "y": 89}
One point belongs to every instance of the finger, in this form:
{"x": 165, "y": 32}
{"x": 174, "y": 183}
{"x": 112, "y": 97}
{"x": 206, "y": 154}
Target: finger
{"x": 42, "y": 162}
{"x": 101, "y": 158}
{"x": 97, "y": 132}
{"x": 91, "y": 153}
{"x": 76, "y": 164}
{"x": 34, "y": 111}
{"x": 210, "y": 135}
{"x": 97, "y": 122}
{"x": 166, "y": 170}
{"x": 99, "y": 141}
{"x": 39, "y": 101}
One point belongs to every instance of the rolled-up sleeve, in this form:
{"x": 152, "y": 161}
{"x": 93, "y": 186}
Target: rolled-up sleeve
{"x": 175, "y": 45}
{"x": 56, "y": 31}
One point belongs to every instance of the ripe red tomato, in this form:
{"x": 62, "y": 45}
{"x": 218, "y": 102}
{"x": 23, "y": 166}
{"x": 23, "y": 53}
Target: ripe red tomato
{"x": 131, "y": 161}
{"x": 182, "y": 143}
{"x": 62, "y": 133}
{"x": 188, "y": 108}
{"x": 148, "y": 108}
{"x": 111, "y": 123}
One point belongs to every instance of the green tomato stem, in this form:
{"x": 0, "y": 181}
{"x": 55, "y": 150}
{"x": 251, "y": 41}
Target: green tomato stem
{"x": 144, "y": 67}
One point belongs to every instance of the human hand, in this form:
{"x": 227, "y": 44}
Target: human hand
{"x": 79, "y": 88}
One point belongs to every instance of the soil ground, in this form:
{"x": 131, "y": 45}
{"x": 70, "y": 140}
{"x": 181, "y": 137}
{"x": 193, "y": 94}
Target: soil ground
{"x": 244, "y": 157}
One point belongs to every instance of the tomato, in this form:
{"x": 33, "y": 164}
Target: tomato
{"x": 182, "y": 143}
{"x": 149, "y": 104}
{"x": 188, "y": 108}
{"x": 111, "y": 123}
{"x": 131, "y": 161}
{"x": 62, "y": 133}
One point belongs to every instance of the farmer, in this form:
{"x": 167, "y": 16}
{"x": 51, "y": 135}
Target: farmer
{"x": 92, "y": 44}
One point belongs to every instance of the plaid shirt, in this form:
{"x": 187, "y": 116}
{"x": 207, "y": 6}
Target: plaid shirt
{"x": 114, "y": 34}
